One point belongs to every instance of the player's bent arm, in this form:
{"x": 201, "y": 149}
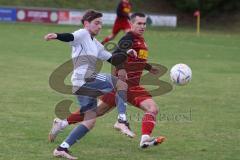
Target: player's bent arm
{"x": 118, "y": 60}
{"x": 50, "y": 36}
{"x": 65, "y": 37}
{"x": 119, "y": 56}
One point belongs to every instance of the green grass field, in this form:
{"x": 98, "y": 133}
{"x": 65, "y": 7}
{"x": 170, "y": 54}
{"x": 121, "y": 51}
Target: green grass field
{"x": 210, "y": 131}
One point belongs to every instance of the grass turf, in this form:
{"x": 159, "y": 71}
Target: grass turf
{"x": 209, "y": 131}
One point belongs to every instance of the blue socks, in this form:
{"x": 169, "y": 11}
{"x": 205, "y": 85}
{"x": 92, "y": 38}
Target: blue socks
{"x": 121, "y": 99}
{"x": 76, "y": 134}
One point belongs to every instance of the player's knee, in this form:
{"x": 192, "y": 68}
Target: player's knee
{"x": 89, "y": 123}
{"x": 89, "y": 119}
{"x": 92, "y": 123}
{"x": 153, "y": 109}
{"x": 156, "y": 110}
{"x": 121, "y": 85}
{"x": 102, "y": 108}
{"x": 150, "y": 106}
{"x": 100, "y": 113}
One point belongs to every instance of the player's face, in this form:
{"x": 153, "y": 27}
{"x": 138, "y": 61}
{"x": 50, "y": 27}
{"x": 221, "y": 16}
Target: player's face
{"x": 139, "y": 25}
{"x": 95, "y": 26}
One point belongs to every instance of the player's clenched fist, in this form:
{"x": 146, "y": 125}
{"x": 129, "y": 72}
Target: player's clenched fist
{"x": 50, "y": 36}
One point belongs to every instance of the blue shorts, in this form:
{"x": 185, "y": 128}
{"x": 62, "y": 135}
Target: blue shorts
{"x": 102, "y": 84}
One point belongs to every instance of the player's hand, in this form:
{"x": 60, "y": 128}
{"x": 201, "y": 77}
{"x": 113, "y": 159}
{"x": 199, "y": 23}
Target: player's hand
{"x": 122, "y": 75}
{"x": 50, "y": 36}
{"x": 132, "y": 52}
{"x": 154, "y": 70}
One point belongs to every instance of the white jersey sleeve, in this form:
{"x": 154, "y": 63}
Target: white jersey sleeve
{"x": 102, "y": 53}
{"x": 79, "y": 36}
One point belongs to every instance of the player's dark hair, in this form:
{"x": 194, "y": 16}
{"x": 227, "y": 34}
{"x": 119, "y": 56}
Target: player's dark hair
{"x": 137, "y": 14}
{"x": 90, "y": 15}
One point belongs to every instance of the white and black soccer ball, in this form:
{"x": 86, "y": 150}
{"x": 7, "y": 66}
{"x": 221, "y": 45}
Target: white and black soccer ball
{"x": 181, "y": 74}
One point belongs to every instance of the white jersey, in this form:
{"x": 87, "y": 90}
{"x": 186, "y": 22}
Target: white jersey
{"x": 85, "y": 53}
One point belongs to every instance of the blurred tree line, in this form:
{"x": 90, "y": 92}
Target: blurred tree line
{"x": 207, "y": 6}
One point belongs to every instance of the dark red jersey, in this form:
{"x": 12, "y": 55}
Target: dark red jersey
{"x": 123, "y": 9}
{"x": 135, "y": 65}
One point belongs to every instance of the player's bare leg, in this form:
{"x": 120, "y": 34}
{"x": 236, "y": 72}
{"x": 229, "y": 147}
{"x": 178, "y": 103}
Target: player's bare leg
{"x": 148, "y": 123}
{"x": 76, "y": 117}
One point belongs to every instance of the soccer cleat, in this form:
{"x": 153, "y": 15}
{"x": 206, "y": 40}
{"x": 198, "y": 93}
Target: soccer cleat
{"x": 123, "y": 127}
{"x": 58, "y": 126}
{"x": 147, "y": 141}
{"x": 63, "y": 153}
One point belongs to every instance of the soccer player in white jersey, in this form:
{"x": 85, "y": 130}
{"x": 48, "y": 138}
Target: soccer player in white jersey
{"x": 86, "y": 50}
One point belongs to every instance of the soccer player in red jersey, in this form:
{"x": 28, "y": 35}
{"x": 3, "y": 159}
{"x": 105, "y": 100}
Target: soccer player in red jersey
{"x": 122, "y": 20}
{"x": 137, "y": 95}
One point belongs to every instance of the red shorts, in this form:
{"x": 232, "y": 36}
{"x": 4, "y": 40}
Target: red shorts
{"x": 135, "y": 96}
{"x": 121, "y": 24}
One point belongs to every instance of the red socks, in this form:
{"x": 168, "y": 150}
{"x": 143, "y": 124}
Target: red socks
{"x": 75, "y": 118}
{"x": 148, "y": 123}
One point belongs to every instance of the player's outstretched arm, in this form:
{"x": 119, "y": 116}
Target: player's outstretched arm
{"x": 50, "y": 36}
{"x": 65, "y": 37}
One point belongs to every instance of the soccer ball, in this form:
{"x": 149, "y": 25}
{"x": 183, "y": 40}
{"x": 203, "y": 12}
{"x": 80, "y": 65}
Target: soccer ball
{"x": 181, "y": 74}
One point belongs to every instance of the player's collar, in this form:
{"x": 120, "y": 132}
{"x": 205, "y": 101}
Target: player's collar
{"x": 136, "y": 35}
{"x": 92, "y": 37}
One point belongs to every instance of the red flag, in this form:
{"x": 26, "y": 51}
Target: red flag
{"x": 196, "y": 13}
